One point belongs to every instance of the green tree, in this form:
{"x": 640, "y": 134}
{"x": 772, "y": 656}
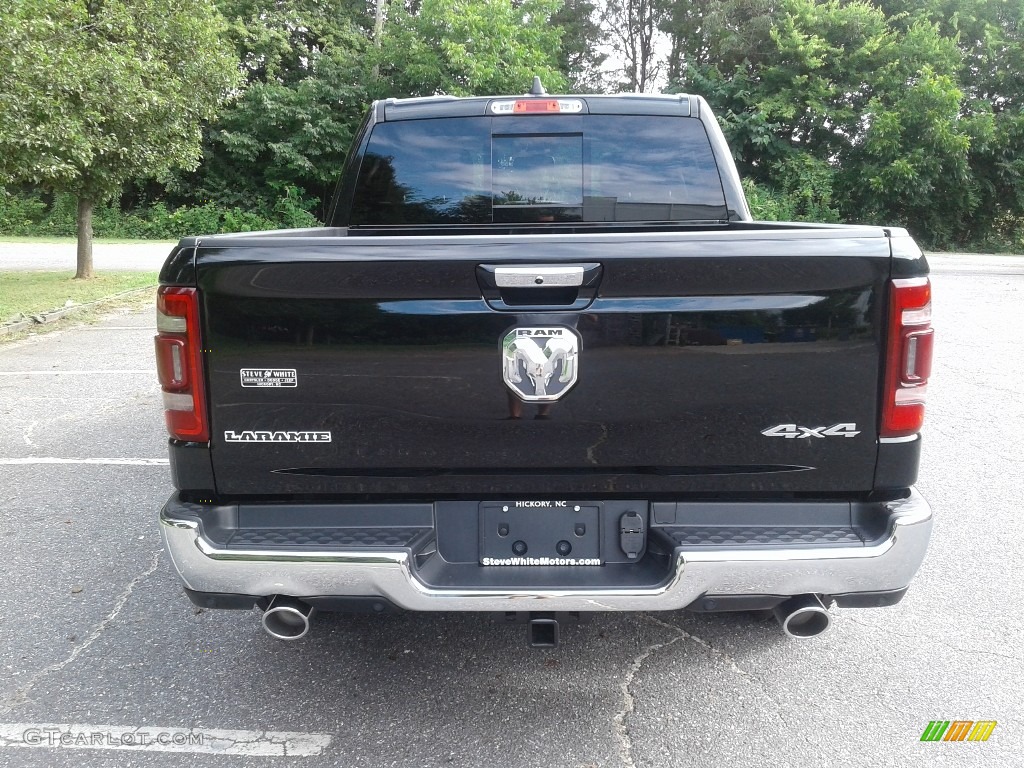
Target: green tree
{"x": 910, "y": 164}
{"x": 990, "y": 37}
{"x": 802, "y": 74}
{"x": 911, "y": 167}
{"x": 689, "y": 27}
{"x": 634, "y": 27}
{"x": 94, "y": 93}
{"x": 469, "y": 47}
{"x": 276, "y": 40}
{"x": 580, "y": 57}
{"x": 282, "y": 141}
{"x": 835, "y": 106}
{"x": 723, "y": 34}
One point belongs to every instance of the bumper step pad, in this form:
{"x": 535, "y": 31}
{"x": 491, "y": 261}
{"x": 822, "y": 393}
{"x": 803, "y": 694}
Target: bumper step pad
{"x": 324, "y": 538}
{"x": 750, "y": 536}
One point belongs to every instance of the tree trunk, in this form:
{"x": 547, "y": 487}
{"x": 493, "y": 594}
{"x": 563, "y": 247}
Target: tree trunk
{"x": 378, "y": 30}
{"x": 84, "y": 222}
{"x": 378, "y": 23}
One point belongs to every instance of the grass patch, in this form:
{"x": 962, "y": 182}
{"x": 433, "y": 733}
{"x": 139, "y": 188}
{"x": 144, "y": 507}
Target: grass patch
{"x": 122, "y": 305}
{"x": 976, "y": 252}
{"x": 30, "y": 293}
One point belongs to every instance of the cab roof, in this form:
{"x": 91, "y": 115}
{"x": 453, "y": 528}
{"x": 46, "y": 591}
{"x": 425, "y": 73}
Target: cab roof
{"x": 679, "y": 105}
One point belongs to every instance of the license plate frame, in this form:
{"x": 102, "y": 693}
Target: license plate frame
{"x": 544, "y": 528}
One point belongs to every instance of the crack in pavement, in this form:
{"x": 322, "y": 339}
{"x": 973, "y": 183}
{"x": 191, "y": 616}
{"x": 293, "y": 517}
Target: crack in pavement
{"x": 114, "y": 405}
{"x": 629, "y": 701}
{"x": 21, "y": 695}
{"x": 729, "y": 660}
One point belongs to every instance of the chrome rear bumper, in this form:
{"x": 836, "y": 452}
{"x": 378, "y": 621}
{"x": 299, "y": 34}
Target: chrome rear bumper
{"x": 887, "y": 564}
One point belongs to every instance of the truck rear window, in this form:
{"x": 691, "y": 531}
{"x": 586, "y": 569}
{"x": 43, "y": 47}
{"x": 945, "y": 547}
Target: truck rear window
{"x": 565, "y": 168}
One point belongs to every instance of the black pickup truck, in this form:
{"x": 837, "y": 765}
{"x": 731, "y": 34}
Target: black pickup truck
{"x": 542, "y": 362}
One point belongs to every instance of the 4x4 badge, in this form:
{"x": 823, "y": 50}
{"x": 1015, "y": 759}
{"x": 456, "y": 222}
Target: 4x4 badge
{"x": 540, "y": 364}
{"x": 791, "y": 431}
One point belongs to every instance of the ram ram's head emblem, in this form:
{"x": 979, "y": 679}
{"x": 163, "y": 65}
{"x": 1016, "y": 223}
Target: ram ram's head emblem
{"x": 540, "y": 364}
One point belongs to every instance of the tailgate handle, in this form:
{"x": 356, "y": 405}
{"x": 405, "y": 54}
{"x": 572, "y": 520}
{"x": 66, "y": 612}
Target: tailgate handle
{"x": 542, "y": 287}
{"x": 570, "y": 276}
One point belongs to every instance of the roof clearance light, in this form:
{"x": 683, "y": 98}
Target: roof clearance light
{"x": 537, "y": 107}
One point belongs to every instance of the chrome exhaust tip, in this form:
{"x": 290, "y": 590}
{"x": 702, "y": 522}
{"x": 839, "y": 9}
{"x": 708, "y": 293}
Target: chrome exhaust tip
{"x": 803, "y": 616}
{"x": 287, "y": 618}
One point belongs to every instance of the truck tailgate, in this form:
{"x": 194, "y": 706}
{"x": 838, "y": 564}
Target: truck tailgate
{"x": 707, "y": 362}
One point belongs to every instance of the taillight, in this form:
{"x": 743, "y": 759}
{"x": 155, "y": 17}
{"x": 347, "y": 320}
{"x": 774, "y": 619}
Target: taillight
{"x": 179, "y": 363}
{"x": 908, "y": 357}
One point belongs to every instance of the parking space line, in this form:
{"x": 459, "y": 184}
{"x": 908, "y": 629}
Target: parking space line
{"x": 114, "y": 462}
{"x": 153, "y": 739}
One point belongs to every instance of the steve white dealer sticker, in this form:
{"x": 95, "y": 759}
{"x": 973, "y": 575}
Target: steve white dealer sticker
{"x": 269, "y": 377}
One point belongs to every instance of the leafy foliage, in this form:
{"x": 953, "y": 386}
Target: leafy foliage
{"x": 469, "y": 47}
{"x": 26, "y": 214}
{"x": 579, "y": 57}
{"x": 285, "y": 137}
{"x": 886, "y": 111}
{"x": 95, "y": 93}
{"x": 20, "y": 214}
{"x": 874, "y": 103}
{"x": 281, "y": 140}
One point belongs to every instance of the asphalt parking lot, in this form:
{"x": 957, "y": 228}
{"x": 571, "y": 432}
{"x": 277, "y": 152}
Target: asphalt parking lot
{"x": 94, "y": 629}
